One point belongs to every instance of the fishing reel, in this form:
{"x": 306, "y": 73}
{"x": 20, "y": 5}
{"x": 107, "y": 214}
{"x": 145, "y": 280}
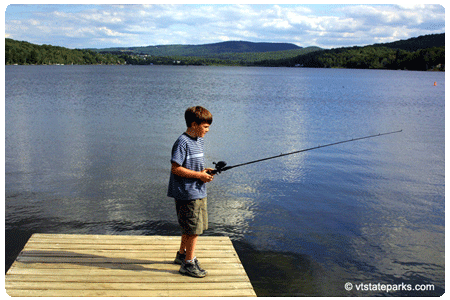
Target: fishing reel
{"x": 219, "y": 167}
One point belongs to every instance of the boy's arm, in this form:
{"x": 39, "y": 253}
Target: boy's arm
{"x": 187, "y": 173}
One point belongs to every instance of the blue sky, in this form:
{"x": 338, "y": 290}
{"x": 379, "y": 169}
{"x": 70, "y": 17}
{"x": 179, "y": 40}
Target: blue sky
{"x": 323, "y": 25}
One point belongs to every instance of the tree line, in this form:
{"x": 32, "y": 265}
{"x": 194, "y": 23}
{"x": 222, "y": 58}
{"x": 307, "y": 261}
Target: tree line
{"x": 369, "y": 57}
{"x": 24, "y": 53}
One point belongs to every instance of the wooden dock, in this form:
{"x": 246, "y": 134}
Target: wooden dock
{"x": 115, "y": 265}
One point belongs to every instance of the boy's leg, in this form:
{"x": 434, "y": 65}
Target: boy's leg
{"x": 183, "y": 244}
{"x": 188, "y": 243}
{"x": 190, "y": 251}
{"x": 190, "y": 266}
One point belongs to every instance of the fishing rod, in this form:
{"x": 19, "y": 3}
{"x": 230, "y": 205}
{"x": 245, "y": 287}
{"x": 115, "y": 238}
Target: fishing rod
{"x": 221, "y": 166}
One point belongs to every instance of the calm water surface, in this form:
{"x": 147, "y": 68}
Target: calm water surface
{"x": 87, "y": 151}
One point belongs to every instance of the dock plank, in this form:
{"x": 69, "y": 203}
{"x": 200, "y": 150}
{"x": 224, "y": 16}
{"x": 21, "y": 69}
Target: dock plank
{"x": 61, "y": 265}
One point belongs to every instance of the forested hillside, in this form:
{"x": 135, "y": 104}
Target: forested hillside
{"x": 24, "y": 53}
{"x": 421, "y": 53}
{"x": 206, "y": 50}
{"x": 425, "y": 53}
{"x": 417, "y": 43}
{"x": 367, "y": 58}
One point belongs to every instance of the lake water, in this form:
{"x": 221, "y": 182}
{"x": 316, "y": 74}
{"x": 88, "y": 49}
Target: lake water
{"x": 87, "y": 151}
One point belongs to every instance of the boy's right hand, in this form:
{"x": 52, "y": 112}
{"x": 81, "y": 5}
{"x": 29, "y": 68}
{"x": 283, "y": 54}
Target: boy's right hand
{"x": 205, "y": 176}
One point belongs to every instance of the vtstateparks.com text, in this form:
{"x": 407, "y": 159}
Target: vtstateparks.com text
{"x": 387, "y": 287}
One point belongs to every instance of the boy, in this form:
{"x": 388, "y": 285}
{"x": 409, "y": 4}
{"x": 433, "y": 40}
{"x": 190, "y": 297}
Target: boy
{"x": 187, "y": 185}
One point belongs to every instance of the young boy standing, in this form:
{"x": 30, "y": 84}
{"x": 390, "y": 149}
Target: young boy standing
{"x": 187, "y": 185}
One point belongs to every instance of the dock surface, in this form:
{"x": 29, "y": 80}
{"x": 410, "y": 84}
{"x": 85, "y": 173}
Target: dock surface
{"x": 60, "y": 265}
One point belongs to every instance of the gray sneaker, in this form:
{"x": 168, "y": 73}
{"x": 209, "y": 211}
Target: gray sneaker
{"x": 191, "y": 269}
{"x": 198, "y": 266}
{"x": 179, "y": 258}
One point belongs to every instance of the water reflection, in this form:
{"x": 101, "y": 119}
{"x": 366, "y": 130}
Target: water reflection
{"x": 19, "y": 160}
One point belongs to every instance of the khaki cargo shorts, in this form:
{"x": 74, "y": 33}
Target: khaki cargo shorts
{"x": 192, "y": 216}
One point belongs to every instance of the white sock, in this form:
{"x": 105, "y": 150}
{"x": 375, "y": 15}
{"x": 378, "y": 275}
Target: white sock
{"x": 192, "y": 260}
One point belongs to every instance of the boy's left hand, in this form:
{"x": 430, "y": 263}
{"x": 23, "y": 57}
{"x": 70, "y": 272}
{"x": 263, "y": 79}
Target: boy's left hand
{"x": 210, "y": 171}
{"x": 210, "y": 177}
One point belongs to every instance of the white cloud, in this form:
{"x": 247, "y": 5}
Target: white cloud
{"x": 411, "y": 6}
{"x": 141, "y": 25}
{"x": 389, "y": 15}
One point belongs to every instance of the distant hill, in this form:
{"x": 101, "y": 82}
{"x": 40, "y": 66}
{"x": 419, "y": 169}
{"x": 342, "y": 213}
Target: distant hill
{"x": 205, "y": 50}
{"x": 24, "y": 53}
{"x": 417, "y": 43}
{"x": 421, "y": 54}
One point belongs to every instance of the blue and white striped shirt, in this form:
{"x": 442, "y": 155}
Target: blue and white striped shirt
{"x": 187, "y": 152}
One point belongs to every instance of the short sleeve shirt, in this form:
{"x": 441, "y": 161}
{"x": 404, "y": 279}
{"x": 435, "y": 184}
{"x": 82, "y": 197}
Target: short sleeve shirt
{"x": 187, "y": 152}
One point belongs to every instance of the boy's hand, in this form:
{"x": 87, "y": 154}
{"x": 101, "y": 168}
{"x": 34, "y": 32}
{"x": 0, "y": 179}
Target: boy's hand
{"x": 205, "y": 176}
{"x": 183, "y": 172}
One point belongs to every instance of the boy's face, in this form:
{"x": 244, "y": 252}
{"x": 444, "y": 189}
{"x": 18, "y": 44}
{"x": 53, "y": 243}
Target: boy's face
{"x": 200, "y": 130}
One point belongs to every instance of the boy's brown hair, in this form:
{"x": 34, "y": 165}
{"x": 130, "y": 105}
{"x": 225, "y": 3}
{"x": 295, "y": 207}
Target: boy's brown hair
{"x": 198, "y": 115}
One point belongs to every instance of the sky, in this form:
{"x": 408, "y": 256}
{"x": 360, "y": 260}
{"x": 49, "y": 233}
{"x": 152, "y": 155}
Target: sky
{"x": 323, "y": 25}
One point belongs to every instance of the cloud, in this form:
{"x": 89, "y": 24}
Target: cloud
{"x": 328, "y": 26}
{"x": 411, "y": 17}
{"x": 387, "y": 23}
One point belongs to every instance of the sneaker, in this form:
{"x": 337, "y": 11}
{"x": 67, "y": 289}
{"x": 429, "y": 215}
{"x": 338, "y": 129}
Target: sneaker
{"x": 191, "y": 269}
{"x": 198, "y": 266}
{"x": 179, "y": 259}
